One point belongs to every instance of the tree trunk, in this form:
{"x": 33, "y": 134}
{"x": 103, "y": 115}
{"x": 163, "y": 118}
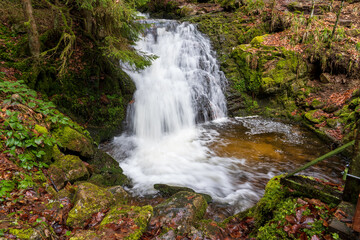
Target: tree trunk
{"x": 312, "y": 8}
{"x": 337, "y": 19}
{"x": 34, "y": 42}
{"x": 352, "y": 184}
{"x": 272, "y": 22}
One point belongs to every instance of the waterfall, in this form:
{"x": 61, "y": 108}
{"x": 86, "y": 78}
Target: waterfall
{"x": 182, "y": 87}
{"x": 179, "y": 92}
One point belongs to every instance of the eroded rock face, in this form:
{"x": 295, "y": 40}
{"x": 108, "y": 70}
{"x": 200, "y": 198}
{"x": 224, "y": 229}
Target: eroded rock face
{"x": 89, "y": 199}
{"x": 68, "y": 168}
{"x": 72, "y": 140}
{"x": 126, "y": 222}
{"x": 179, "y": 212}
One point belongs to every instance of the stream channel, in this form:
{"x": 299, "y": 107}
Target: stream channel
{"x": 178, "y": 132}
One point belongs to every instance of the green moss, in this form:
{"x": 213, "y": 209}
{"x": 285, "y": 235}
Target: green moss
{"x": 311, "y": 116}
{"x": 274, "y": 194}
{"x": 89, "y": 199}
{"x": 271, "y": 230}
{"x": 40, "y": 129}
{"x": 256, "y": 42}
{"x": 22, "y": 233}
{"x": 139, "y": 215}
{"x": 73, "y": 140}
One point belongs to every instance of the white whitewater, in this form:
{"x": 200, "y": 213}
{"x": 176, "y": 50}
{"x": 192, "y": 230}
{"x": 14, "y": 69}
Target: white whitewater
{"x": 182, "y": 88}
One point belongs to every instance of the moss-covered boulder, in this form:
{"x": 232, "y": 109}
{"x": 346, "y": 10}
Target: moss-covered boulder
{"x": 121, "y": 196}
{"x": 73, "y": 141}
{"x": 274, "y": 194}
{"x": 68, "y": 168}
{"x": 130, "y": 221}
{"x": 315, "y": 116}
{"x": 107, "y": 170}
{"x": 180, "y": 211}
{"x": 266, "y": 70}
{"x": 168, "y": 190}
{"x": 89, "y": 199}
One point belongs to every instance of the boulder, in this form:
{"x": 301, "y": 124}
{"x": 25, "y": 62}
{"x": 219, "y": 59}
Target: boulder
{"x": 127, "y": 222}
{"x": 179, "y": 212}
{"x": 121, "y": 196}
{"x": 315, "y": 116}
{"x": 89, "y": 199}
{"x": 67, "y": 168}
{"x": 108, "y": 172}
{"x": 167, "y": 191}
{"x": 73, "y": 141}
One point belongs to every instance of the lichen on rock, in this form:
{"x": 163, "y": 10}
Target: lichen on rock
{"x": 89, "y": 199}
{"x": 74, "y": 141}
{"x": 68, "y": 168}
{"x": 180, "y": 211}
{"x": 132, "y": 220}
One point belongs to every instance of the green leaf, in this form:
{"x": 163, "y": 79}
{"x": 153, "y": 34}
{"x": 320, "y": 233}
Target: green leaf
{"x": 38, "y": 141}
{"x": 32, "y": 104}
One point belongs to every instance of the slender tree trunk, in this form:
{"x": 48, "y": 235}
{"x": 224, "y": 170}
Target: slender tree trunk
{"x": 272, "y": 22}
{"x": 337, "y": 19}
{"x": 331, "y": 5}
{"x": 308, "y": 22}
{"x": 34, "y": 42}
{"x": 312, "y": 8}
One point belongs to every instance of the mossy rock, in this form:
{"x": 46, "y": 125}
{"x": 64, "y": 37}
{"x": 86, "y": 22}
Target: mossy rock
{"x": 256, "y": 42}
{"x": 89, "y": 199}
{"x": 167, "y": 191}
{"x": 37, "y": 233}
{"x": 121, "y": 196}
{"x": 107, "y": 170}
{"x": 317, "y": 104}
{"x": 136, "y": 219}
{"x": 180, "y": 211}
{"x": 68, "y": 168}
{"x": 210, "y": 229}
{"x": 274, "y": 193}
{"x": 75, "y": 142}
{"x": 314, "y": 117}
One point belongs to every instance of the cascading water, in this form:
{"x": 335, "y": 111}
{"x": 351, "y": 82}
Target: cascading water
{"x": 170, "y": 139}
{"x": 181, "y": 88}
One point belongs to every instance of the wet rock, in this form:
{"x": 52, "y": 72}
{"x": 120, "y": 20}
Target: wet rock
{"x": 73, "y": 141}
{"x": 108, "y": 172}
{"x": 68, "y": 168}
{"x": 129, "y": 221}
{"x": 121, "y": 196}
{"x": 89, "y": 199}
{"x": 179, "y": 212}
{"x": 167, "y": 191}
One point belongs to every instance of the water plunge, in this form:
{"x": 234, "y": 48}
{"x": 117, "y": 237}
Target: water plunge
{"x": 170, "y": 139}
